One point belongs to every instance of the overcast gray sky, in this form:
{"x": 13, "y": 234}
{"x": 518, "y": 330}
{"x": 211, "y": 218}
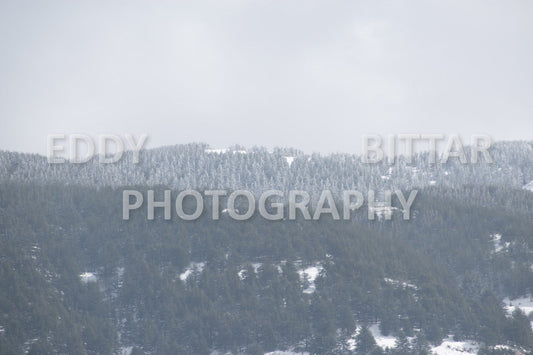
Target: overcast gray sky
{"x": 315, "y": 75}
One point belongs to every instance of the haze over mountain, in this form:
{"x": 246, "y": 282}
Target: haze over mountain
{"x": 309, "y": 74}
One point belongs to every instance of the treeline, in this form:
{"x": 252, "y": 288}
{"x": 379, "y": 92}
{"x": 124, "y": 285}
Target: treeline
{"x": 257, "y": 169}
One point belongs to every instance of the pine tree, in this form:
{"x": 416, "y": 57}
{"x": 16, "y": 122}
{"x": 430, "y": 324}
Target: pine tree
{"x": 365, "y": 343}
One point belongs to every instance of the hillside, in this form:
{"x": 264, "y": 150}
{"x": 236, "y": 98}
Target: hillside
{"x": 77, "y": 278}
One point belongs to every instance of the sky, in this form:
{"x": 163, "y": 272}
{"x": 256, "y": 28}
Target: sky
{"x": 314, "y": 75}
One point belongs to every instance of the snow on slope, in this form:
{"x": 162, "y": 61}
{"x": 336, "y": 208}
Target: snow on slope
{"x": 498, "y": 245}
{"x": 289, "y": 160}
{"x": 216, "y": 151}
{"x": 242, "y": 274}
{"x": 193, "y": 266}
{"x": 447, "y": 347}
{"x": 402, "y": 284}
{"x": 451, "y": 347}
{"x": 125, "y": 350}
{"x": 275, "y": 352}
{"x": 524, "y": 303}
{"x": 88, "y": 277}
{"x": 223, "y": 151}
{"x": 528, "y": 186}
{"x": 382, "y": 340}
{"x": 310, "y": 274}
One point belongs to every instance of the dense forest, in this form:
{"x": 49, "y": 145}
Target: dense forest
{"x": 198, "y": 166}
{"x": 78, "y": 279}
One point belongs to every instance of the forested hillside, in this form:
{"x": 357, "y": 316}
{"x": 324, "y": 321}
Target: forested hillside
{"x": 76, "y": 278}
{"x": 256, "y": 169}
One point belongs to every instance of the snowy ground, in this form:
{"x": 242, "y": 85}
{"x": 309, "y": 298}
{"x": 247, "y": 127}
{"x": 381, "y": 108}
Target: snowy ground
{"x": 382, "y": 340}
{"x": 498, "y": 245}
{"x": 524, "y": 303}
{"x": 224, "y": 150}
{"x": 256, "y": 266}
{"x": 451, "y": 347}
{"x": 310, "y": 274}
{"x": 447, "y": 347}
{"x": 216, "y": 151}
{"x": 125, "y": 350}
{"x": 194, "y": 266}
{"x": 402, "y": 284}
{"x": 289, "y": 160}
{"x": 275, "y": 352}
{"x": 88, "y": 277}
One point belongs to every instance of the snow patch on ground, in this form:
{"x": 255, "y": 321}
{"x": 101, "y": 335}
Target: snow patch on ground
{"x": 503, "y": 347}
{"x": 216, "y": 151}
{"x": 35, "y": 249}
{"x": 224, "y": 150}
{"x": 451, "y": 347}
{"x": 125, "y": 350}
{"x": 498, "y": 245}
{"x": 88, "y": 277}
{"x": 310, "y": 274}
{"x": 524, "y": 303}
{"x": 382, "y": 340}
{"x": 275, "y": 352}
{"x": 528, "y": 186}
{"x": 351, "y": 342}
{"x": 447, "y": 347}
{"x": 289, "y": 160}
{"x": 243, "y": 272}
{"x": 402, "y": 284}
{"x": 193, "y": 267}
{"x": 256, "y": 266}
